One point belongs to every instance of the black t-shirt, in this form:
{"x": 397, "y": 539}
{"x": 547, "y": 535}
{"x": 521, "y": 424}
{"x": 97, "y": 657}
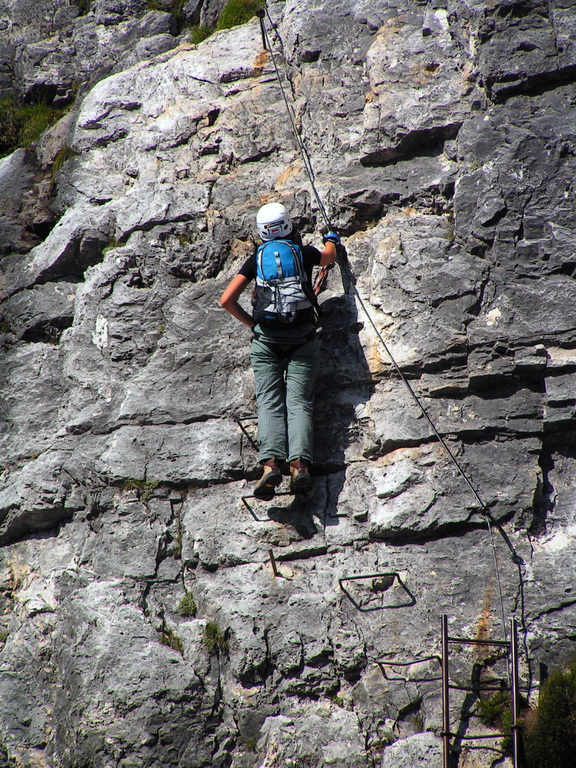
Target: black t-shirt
{"x": 295, "y": 334}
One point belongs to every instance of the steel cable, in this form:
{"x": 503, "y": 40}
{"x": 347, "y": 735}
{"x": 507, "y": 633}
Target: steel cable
{"x": 351, "y": 282}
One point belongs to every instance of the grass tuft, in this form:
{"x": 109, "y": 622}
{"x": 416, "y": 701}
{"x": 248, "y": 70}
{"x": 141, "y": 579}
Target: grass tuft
{"x": 237, "y": 12}
{"x": 199, "y": 33}
{"x": 171, "y": 639}
{"x": 214, "y": 639}
{"x": 187, "y": 607}
{"x": 23, "y": 124}
{"x": 496, "y": 712}
{"x": 64, "y": 154}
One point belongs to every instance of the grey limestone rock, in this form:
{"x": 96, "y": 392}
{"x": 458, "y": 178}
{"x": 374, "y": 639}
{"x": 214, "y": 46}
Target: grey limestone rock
{"x": 41, "y": 313}
{"x": 25, "y": 211}
{"x": 419, "y": 749}
{"x": 152, "y": 611}
{"x": 51, "y": 47}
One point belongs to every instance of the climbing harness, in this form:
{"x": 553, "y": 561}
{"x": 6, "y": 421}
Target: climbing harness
{"x": 349, "y": 283}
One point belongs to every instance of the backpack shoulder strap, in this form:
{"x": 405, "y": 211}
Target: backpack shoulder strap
{"x": 296, "y": 252}
{"x": 298, "y": 257}
{"x": 259, "y": 259}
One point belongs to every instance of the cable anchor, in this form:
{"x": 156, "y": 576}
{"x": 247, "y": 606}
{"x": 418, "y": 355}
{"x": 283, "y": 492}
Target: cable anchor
{"x": 261, "y": 13}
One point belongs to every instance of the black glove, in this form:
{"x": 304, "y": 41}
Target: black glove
{"x": 331, "y": 237}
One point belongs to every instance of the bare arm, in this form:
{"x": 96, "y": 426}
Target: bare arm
{"x": 229, "y": 300}
{"x": 328, "y": 254}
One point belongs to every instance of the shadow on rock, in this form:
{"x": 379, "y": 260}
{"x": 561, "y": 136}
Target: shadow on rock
{"x": 299, "y": 514}
{"x": 344, "y": 384}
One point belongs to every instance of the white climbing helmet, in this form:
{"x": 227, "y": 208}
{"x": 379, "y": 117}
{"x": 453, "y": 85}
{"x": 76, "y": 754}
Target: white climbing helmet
{"x": 273, "y": 220}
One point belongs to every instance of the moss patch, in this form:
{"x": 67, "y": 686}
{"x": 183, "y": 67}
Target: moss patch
{"x": 145, "y": 488}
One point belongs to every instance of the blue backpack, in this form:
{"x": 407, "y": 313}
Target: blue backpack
{"x": 283, "y": 295}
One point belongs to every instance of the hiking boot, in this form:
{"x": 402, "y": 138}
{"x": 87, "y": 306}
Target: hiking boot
{"x": 271, "y": 477}
{"x": 300, "y": 482}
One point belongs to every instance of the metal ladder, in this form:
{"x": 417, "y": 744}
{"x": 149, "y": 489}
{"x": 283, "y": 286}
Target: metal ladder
{"x": 512, "y": 646}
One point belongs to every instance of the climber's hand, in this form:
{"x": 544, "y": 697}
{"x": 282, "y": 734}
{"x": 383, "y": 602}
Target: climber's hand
{"x": 331, "y": 237}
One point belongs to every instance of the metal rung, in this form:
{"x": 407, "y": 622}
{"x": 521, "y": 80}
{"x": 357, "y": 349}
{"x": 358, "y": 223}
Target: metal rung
{"x": 390, "y": 579}
{"x": 513, "y": 688}
{"x": 467, "y": 641}
{"x": 239, "y": 420}
{"x": 381, "y": 663}
{"x": 475, "y": 738}
{"x": 265, "y": 519}
{"x": 480, "y": 688}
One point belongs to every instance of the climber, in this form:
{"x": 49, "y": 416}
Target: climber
{"x": 285, "y": 347}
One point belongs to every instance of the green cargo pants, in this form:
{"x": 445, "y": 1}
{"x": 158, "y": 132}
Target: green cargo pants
{"x": 285, "y": 376}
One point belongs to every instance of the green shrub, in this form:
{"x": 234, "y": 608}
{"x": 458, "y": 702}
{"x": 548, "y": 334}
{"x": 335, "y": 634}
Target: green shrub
{"x": 214, "y": 639}
{"x": 145, "y": 488}
{"x": 496, "y": 712}
{"x": 171, "y": 639}
{"x": 491, "y": 711}
{"x": 8, "y": 127}
{"x": 237, "y": 12}
{"x": 550, "y": 735}
{"x": 22, "y": 124}
{"x": 83, "y": 6}
{"x": 200, "y": 32}
{"x": 187, "y": 607}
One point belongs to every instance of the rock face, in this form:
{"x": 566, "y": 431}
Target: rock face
{"x": 150, "y": 615}
{"x": 49, "y": 47}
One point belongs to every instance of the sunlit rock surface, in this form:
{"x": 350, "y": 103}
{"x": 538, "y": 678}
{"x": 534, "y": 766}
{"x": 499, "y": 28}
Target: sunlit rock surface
{"x": 443, "y": 144}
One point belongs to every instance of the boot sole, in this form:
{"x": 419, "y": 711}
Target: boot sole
{"x": 266, "y": 490}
